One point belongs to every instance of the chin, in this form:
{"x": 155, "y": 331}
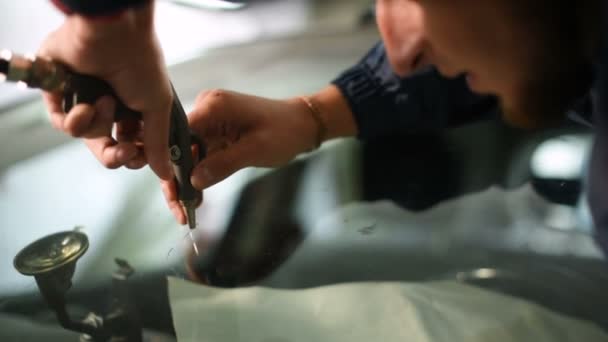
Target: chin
{"x": 517, "y": 119}
{"x": 530, "y": 117}
{"x": 517, "y": 115}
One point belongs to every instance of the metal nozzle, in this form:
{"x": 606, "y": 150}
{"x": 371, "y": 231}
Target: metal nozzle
{"x": 4, "y": 65}
{"x": 30, "y": 71}
{"x": 191, "y": 218}
{"x": 190, "y": 208}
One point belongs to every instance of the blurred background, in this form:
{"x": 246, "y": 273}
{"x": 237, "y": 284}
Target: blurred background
{"x": 483, "y": 204}
{"x": 42, "y": 168}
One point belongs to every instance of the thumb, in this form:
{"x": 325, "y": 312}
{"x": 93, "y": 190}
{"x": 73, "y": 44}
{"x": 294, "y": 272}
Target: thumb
{"x": 221, "y": 164}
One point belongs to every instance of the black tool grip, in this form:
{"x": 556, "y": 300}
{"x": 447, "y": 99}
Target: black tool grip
{"x": 181, "y": 141}
{"x": 87, "y": 89}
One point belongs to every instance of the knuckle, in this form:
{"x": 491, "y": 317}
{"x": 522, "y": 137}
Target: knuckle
{"x": 216, "y": 99}
{"x": 201, "y": 96}
{"x": 217, "y": 93}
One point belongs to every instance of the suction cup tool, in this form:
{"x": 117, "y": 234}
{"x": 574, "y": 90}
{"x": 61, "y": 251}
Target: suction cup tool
{"x": 51, "y": 253}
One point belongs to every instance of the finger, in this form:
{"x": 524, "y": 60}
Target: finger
{"x": 221, "y": 164}
{"x": 156, "y": 141}
{"x": 78, "y": 120}
{"x": 170, "y": 192}
{"x": 110, "y": 153}
{"x": 103, "y": 121}
{"x": 83, "y": 120}
{"x": 52, "y": 102}
{"x": 129, "y": 130}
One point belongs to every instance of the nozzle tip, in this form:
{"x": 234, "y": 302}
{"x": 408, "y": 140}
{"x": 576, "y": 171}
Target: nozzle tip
{"x": 190, "y": 213}
{"x": 5, "y": 61}
{"x": 4, "y": 66}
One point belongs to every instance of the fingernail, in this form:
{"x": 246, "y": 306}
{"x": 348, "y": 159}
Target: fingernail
{"x": 105, "y": 106}
{"x": 201, "y": 178}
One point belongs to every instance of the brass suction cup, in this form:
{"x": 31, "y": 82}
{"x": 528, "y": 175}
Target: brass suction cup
{"x": 51, "y": 253}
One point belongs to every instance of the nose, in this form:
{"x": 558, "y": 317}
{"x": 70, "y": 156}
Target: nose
{"x": 401, "y": 25}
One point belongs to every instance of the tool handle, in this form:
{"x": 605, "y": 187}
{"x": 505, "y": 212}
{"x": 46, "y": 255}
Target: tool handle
{"x": 181, "y": 141}
{"x": 81, "y": 88}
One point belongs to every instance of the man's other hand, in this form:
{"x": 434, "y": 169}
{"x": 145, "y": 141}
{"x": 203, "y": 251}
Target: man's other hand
{"x": 124, "y": 51}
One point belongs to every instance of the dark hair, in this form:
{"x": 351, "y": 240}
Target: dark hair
{"x": 569, "y": 33}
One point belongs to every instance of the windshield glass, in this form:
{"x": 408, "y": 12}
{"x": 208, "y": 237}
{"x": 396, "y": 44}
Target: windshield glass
{"x": 432, "y": 208}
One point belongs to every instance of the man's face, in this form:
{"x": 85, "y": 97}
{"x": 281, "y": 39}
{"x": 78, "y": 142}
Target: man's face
{"x": 478, "y": 38}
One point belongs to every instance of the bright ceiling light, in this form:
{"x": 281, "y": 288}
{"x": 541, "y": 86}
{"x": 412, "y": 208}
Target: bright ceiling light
{"x": 561, "y": 158}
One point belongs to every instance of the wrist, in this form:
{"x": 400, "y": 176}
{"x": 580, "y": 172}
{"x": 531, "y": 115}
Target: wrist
{"x": 326, "y": 116}
{"x": 320, "y": 130}
{"x": 303, "y": 124}
{"x": 335, "y": 113}
{"x": 135, "y": 22}
{"x": 97, "y": 8}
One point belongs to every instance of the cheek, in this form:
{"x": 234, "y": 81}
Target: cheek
{"x": 479, "y": 40}
{"x": 449, "y": 43}
{"x": 387, "y": 22}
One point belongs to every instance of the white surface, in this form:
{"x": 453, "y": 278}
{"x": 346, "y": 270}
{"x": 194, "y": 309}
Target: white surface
{"x": 387, "y": 312}
{"x": 506, "y": 219}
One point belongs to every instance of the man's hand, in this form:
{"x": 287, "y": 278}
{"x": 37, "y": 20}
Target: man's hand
{"x": 124, "y": 52}
{"x": 242, "y": 130}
